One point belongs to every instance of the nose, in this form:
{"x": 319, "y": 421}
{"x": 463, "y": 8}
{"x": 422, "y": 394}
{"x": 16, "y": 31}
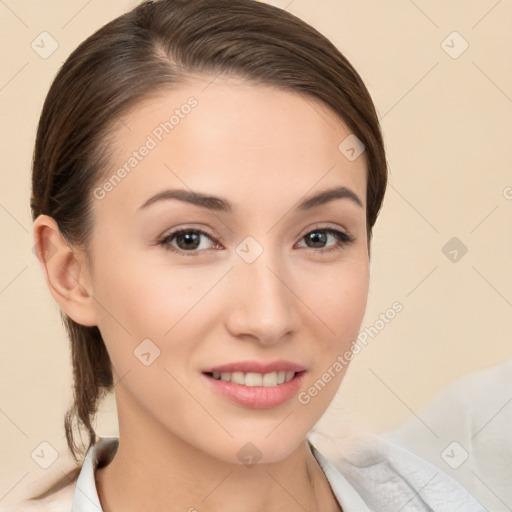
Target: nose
{"x": 262, "y": 305}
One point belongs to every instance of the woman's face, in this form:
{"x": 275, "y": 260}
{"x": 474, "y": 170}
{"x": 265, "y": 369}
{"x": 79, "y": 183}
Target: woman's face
{"x": 254, "y": 279}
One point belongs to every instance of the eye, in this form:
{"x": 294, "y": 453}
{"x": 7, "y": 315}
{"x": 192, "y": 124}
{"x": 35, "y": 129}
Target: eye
{"x": 187, "y": 241}
{"x": 319, "y": 237}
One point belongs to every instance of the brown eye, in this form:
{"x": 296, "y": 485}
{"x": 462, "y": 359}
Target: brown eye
{"x": 187, "y": 240}
{"x": 318, "y": 238}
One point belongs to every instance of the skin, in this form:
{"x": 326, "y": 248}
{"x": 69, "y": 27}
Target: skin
{"x": 262, "y": 149}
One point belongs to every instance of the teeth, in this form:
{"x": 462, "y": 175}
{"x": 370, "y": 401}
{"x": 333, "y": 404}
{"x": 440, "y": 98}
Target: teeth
{"x": 255, "y": 379}
{"x": 237, "y": 377}
{"x": 270, "y": 379}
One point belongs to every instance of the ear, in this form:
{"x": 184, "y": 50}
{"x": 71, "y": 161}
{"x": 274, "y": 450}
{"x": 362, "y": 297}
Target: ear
{"x": 66, "y": 271}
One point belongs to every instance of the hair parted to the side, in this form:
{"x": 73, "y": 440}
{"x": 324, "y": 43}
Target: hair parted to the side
{"x": 157, "y": 46}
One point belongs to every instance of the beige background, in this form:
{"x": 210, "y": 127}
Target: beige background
{"x": 447, "y": 127}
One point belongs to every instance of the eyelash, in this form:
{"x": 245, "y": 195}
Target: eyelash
{"x": 343, "y": 240}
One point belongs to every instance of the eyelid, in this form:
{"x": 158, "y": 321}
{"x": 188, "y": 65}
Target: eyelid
{"x": 212, "y": 234}
{"x": 323, "y": 226}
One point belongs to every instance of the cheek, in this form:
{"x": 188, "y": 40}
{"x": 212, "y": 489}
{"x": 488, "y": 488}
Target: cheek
{"x": 141, "y": 299}
{"x": 131, "y": 285}
{"x": 339, "y": 301}
{"x": 338, "y": 298}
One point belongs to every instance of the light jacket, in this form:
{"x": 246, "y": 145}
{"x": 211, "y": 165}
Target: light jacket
{"x": 375, "y": 475}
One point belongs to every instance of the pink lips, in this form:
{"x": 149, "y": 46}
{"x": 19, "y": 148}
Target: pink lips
{"x": 256, "y": 397}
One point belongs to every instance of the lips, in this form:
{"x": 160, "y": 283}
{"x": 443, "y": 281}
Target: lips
{"x": 256, "y": 384}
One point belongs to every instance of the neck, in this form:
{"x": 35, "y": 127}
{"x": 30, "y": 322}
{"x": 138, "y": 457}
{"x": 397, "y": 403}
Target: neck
{"x": 153, "y": 469}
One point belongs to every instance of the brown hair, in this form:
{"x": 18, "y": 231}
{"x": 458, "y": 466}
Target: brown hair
{"x": 157, "y": 46}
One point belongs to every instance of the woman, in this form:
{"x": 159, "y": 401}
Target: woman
{"x": 206, "y": 179}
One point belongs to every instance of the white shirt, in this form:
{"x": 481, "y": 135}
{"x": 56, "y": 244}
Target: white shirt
{"x": 378, "y": 477}
{"x": 472, "y": 420}
{"x": 375, "y": 475}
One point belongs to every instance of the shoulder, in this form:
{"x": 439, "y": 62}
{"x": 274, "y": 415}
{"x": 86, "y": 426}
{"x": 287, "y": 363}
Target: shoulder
{"x": 58, "y": 501}
{"x": 471, "y": 419}
{"x": 53, "y": 489}
{"x": 389, "y": 478}
{"x": 44, "y": 492}
{"x": 44, "y": 489}
{"x": 476, "y": 396}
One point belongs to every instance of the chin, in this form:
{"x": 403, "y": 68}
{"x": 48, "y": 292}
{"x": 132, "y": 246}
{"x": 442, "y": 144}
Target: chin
{"x": 249, "y": 450}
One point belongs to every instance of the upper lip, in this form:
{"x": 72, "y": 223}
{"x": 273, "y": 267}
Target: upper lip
{"x": 256, "y": 367}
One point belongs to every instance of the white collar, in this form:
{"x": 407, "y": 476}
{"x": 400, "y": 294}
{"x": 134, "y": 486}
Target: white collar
{"x": 86, "y": 499}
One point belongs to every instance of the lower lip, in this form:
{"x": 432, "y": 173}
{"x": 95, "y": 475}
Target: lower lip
{"x": 257, "y": 397}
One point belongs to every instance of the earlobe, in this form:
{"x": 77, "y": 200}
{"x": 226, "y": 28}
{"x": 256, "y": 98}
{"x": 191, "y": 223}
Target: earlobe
{"x": 66, "y": 271}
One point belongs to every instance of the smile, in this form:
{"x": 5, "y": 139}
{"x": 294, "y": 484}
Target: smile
{"x": 252, "y": 379}
{"x": 255, "y": 384}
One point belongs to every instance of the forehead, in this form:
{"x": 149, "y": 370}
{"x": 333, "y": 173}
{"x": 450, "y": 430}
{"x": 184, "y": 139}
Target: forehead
{"x": 230, "y": 138}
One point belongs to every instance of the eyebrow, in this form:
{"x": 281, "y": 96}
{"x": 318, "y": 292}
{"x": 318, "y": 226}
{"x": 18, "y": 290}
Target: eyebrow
{"x": 223, "y": 205}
